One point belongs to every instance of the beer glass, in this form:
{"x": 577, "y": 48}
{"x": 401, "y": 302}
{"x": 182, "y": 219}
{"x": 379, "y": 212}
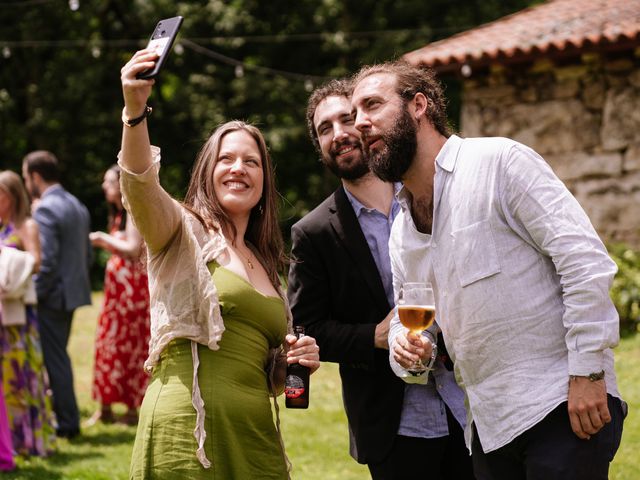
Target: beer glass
{"x": 417, "y": 311}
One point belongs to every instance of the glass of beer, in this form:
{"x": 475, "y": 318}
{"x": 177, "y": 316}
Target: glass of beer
{"x": 417, "y": 311}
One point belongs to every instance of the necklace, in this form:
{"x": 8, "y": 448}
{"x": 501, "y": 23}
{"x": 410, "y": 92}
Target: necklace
{"x": 248, "y": 259}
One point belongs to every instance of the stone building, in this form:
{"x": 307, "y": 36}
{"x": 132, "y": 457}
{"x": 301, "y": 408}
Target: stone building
{"x": 564, "y": 78}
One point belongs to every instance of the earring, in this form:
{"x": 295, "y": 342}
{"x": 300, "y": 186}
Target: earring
{"x": 260, "y": 209}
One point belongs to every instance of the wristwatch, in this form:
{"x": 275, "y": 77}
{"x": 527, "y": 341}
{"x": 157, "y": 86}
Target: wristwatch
{"x": 593, "y": 376}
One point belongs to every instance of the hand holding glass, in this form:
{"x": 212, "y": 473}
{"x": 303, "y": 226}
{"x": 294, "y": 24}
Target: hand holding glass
{"x": 417, "y": 311}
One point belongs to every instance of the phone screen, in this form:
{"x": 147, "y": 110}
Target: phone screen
{"x": 159, "y": 45}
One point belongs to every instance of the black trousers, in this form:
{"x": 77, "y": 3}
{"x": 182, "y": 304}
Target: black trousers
{"x": 551, "y": 451}
{"x": 444, "y": 458}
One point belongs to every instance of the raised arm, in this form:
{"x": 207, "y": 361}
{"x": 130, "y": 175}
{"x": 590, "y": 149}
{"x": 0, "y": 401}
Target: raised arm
{"x": 155, "y": 214}
{"x": 136, "y": 146}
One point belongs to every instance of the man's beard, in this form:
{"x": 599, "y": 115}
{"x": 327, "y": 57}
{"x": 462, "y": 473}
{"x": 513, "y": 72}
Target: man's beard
{"x": 356, "y": 169}
{"x": 400, "y": 146}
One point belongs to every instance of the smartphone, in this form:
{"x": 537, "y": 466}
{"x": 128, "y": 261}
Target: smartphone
{"x": 161, "y": 41}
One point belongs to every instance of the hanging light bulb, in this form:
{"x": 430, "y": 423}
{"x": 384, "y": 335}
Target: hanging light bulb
{"x": 6, "y": 52}
{"x": 178, "y": 48}
{"x": 96, "y": 52}
{"x": 74, "y": 5}
{"x": 308, "y": 85}
{"x": 239, "y": 71}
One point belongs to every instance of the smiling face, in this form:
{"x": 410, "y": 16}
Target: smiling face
{"x": 238, "y": 175}
{"x": 387, "y": 129}
{"x": 339, "y": 140}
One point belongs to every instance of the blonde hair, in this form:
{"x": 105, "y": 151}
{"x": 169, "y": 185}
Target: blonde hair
{"x": 263, "y": 230}
{"x": 11, "y": 184}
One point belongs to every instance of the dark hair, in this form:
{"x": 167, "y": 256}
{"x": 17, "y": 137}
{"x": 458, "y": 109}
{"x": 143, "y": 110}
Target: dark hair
{"x": 113, "y": 209}
{"x": 337, "y": 88}
{"x": 263, "y": 230}
{"x": 44, "y": 163}
{"x": 411, "y": 80}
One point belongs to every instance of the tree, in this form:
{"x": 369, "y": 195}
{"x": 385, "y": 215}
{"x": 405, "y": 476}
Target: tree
{"x": 248, "y": 59}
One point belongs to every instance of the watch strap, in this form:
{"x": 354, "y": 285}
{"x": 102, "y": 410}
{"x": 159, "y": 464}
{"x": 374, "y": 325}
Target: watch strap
{"x": 132, "y": 122}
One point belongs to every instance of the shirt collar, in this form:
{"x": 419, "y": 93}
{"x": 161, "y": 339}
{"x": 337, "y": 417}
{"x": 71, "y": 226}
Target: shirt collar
{"x": 448, "y": 154}
{"x": 446, "y": 160}
{"x": 358, "y": 207}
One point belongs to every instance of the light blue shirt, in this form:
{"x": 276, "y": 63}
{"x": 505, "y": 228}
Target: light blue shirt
{"x": 521, "y": 283}
{"x": 423, "y": 410}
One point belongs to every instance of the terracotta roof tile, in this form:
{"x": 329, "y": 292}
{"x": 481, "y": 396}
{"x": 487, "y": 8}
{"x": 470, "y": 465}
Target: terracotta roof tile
{"x": 556, "y": 25}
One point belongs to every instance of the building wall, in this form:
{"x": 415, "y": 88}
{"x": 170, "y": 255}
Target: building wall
{"x": 583, "y": 118}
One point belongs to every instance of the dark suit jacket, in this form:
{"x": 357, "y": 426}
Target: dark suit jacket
{"x": 336, "y": 293}
{"x": 63, "y": 280}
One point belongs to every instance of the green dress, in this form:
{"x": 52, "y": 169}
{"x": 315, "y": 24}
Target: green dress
{"x": 242, "y": 441}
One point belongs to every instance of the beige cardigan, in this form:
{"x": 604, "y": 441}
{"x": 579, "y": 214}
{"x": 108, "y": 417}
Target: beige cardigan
{"x": 16, "y": 285}
{"x": 183, "y": 297}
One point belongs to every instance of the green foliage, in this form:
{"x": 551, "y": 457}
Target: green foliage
{"x": 59, "y": 77}
{"x": 625, "y": 291}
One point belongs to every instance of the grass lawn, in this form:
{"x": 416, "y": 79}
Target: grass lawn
{"x": 316, "y": 439}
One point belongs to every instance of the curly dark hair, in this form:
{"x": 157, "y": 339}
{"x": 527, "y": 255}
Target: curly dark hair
{"x": 338, "y": 88}
{"x": 410, "y": 80}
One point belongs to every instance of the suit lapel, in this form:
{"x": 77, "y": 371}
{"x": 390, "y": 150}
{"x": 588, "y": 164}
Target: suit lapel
{"x": 347, "y": 228}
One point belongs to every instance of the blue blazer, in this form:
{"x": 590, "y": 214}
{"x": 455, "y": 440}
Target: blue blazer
{"x": 63, "y": 280}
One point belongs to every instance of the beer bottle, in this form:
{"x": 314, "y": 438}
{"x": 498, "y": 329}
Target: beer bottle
{"x": 296, "y": 385}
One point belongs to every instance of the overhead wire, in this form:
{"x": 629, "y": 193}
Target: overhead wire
{"x": 258, "y": 68}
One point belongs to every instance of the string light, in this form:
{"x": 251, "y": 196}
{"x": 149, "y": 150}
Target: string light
{"x": 74, "y": 5}
{"x": 257, "y": 68}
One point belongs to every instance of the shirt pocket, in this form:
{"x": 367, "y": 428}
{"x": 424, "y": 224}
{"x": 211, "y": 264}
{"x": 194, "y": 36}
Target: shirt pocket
{"x": 475, "y": 253}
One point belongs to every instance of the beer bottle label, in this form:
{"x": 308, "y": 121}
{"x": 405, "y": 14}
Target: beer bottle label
{"x": 294, "y": 387}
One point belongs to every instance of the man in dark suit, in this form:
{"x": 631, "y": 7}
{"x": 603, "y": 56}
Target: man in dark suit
{"x": 62, "y": 283}
{"x": 340, "y": 289}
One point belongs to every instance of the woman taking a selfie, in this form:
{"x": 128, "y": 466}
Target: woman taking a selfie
{"x": 218, "y": 313}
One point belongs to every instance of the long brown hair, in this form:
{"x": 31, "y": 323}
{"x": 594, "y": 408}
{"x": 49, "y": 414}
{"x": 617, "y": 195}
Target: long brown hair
{"x": 263, "y": 230}
{"x": 11, "y": 184}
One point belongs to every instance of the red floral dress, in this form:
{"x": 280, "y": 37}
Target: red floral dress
{"x": 122, "y": 335}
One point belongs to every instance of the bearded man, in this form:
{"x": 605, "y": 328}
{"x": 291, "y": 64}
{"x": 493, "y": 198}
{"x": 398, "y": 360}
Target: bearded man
{"x": 521, "y": 282}
{"x": 340, "y": 289}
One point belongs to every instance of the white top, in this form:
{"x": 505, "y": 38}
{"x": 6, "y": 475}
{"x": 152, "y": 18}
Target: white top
{"x": 521, "y": 282}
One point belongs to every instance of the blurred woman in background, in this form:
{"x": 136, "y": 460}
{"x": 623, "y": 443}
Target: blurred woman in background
{"x": 122, "y": 336}
{"x": 24, "y": 378}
